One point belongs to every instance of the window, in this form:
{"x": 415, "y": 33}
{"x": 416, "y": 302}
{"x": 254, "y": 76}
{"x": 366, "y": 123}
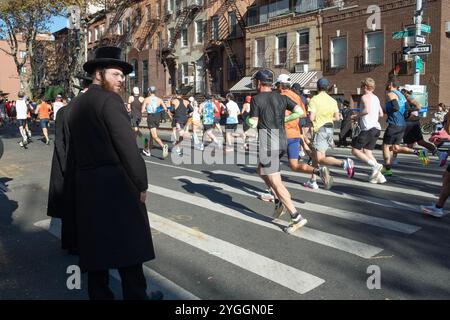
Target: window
{"x": 22, "y": 54}
{"x": 199, "y": 32}
{"x": 128, "y": 25}
{"x": 96, "y": 34}
{"x": 184, "y": 37}
{"x": 215, "y": 28}
{"x": 263, "y": 14}
{"x": 185, "y": 73}
{"x": 135, "y": 80}
{"x": 23, "y": 70}
{"x": 102, "y": 30}
{"x": 158, "y": 40}
{"x": 278, "y": 8}
{"x": 158, "y": 9}
{"x": 120, "y": 28}
{"x": 232, "y": 20}
{"x": 144, "y": 75}
{"x": 149, "y": 12}
{"x": 90, "y": 36}
{"x": 252, "y": 16}
{"x": 170, "y": 33}
{"x": 232, "y": 71}
{"x": 374, "y": 48}
{"x": 260, "y": 52}
{"x": 338, "y": 52}
{"x": 281, "y": 49}
{"x": 303, "y": 46}
{"x": 170, "y": 5}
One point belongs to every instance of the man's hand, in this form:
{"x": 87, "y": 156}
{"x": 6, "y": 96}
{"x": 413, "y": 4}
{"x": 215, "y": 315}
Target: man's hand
{"x": 143, "y": 196}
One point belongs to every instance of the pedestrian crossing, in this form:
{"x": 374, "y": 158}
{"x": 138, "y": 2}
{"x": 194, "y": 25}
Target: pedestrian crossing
{"x": 354, "y": 234}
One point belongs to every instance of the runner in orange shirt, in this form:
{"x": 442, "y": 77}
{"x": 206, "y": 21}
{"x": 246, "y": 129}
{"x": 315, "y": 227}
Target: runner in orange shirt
{"x": 43, "y": 111}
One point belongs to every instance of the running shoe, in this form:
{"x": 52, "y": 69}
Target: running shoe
{"x": 311, "y": 184}
{"x": 432, "y": 210}
{"x": 279, "y": 210}
{"x": 326, "y": 177}
{"x": 423, "y": 156}
{"x": 349, "y": 167}
{"x": 200, "y": 147}
{"x": 23, "y": 144}
{"x": 378, "y": 179}
{"x": 376, "y": 171}
{"x": 146, "y": 153}
{"x": 295, "y": 224}
{"x": 178, "y": 151}
{"x": 386, "y": 172}
{"x": 165, "y": 151}
{"x": 443, "y": 158}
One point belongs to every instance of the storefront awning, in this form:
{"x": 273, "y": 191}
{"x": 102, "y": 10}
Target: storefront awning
{"x": 308, "y": 80}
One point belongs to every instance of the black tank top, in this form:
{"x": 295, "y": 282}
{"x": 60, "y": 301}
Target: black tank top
{"x": 180, "y": 112}
{"x": 136, "y": 107}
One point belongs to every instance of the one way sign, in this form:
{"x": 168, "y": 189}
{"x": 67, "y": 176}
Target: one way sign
{"x": 420, "y": 49}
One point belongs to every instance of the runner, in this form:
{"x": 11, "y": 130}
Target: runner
{"x": 217, "y": 108}
{"x": 21, "y": 111}
{"x": 58, "y": 104}
{"x": 134, "y": 107}
{"x": 153, "y": 106}
{"x": 245, "y": 126}
{"x": 367, "y": 120}
{"x": 232, "y": 112}
{"x": 207, "y": 112}
{"x": 395, "y": 108}
{"x": 323, "y": 112}
{"x": 181, "y": 108}
{"x": 267, "y": 114}
{"x": 413, "y": 133}
{"x": 293, "y": 135}
{"x": 43, "y": 110}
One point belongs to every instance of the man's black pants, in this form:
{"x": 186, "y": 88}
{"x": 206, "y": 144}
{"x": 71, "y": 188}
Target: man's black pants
{"x": 134, "y": 285}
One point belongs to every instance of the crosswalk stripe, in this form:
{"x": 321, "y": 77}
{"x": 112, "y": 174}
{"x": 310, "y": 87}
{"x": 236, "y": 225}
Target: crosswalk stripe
{"x": 365, "y": 185}
{"x": 280, "y": 273}
{"x": 388, "y": 203}
{"x": 350, "y": 246}
{"x": 344, "y": 214}
{"x": 170, "y": 290}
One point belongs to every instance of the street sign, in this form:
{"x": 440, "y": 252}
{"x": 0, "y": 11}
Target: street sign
{"x": 425, "y": 28}
{"x": 419, "y": 65}
{"x": 420, "y": 49}
{"x": 403, "y": 34}
{"x": 420, "y": 40}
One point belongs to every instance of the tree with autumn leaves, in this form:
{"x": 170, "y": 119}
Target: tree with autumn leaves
{"x": 21, "y": 22}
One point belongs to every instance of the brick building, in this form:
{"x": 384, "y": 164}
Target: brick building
{"x": 353, "y": 51}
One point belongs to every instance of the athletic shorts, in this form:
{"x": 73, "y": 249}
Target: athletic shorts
{"x": 217, "y": 120}
{"x": 179, "y": 124}
{"x": 269, "y": 161}
{"x": 412, "y": 132}
{"x": 153, "y": 121}
{"x": 207, "y": 127}
{"x": 231, "y": 127}
{"x": 135, "y": 121}
{"x": 393, "y": 134}
{"x": 323, "y": 139}
{"x": 44, "y": 123}
{"x": 366, "y": 139}
{"x": 22, "y": 122}
{"x": 293, "y": 148}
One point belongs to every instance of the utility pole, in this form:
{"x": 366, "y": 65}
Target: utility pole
{"x": 418, "y": 22}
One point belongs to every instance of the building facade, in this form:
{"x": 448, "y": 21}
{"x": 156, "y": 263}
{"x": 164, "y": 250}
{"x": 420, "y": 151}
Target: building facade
{"x": 355, "y": 47}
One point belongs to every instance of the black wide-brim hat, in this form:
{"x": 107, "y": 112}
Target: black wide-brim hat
{"x": 107, "y": 57}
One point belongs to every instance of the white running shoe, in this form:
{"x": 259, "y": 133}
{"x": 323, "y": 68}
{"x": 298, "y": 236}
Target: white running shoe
{"x": 311, "y": 184}
{"x": 376, "y": 171}
{"x": 349, "y": 167}
{"x": 165, "y": 151}
{"x": 295, "y": 225}
{"x": 378, "y": 179}
{"x": 432, "y": 211}
{"x": 146, "y": 153}
{"x": 327, "y": 179}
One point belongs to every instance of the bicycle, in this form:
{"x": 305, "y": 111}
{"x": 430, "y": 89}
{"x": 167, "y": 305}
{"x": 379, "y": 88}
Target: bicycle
{"x": 431, "y": 126}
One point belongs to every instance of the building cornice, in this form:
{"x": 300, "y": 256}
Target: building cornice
{"x": 286, "y": 20}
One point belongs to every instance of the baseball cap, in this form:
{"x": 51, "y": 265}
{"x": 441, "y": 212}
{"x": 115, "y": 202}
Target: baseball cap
{"x": 284, "y": 78}
{"x": 263, "y": 75}
{"x": 323, "y": 83}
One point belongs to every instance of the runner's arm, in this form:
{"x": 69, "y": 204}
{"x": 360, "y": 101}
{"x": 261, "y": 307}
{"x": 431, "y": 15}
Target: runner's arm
{"x": 296, "y": 113}
{"x": 414, "y": 103}
{"x": 144, "y": 103}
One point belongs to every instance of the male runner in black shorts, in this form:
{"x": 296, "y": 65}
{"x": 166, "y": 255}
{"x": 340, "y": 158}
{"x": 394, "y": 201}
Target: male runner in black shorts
{"x": 267, "y": 113}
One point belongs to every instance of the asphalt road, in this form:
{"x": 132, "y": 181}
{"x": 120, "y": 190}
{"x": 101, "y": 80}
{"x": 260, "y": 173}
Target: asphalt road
{"x": 215, "y": 240}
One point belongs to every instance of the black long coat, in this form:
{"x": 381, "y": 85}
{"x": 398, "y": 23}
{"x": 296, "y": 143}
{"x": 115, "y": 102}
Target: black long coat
{"x": 112, "y": 224}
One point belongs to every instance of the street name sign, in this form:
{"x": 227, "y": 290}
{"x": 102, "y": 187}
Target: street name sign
{"x": 420, "y": 49}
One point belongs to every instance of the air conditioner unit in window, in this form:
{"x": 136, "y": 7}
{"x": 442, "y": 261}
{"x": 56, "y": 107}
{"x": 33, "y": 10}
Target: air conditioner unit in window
{"x": 447, "y": 28}
{"x": 301, "y": 67}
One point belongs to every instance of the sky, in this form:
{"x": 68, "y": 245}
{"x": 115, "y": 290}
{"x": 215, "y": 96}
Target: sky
{"x": 58, "y": 23}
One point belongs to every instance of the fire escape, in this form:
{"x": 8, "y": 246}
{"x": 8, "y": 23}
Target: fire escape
{"x": 221, "y": 39}
{"x": 185, "y": 15}
{"x": 146, "y": 31}
{"x": 110, "y": 37}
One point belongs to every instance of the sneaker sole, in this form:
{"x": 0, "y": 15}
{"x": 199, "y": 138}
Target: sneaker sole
{"x": 297, "y": 226}
{"x": 327, "y": 179}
